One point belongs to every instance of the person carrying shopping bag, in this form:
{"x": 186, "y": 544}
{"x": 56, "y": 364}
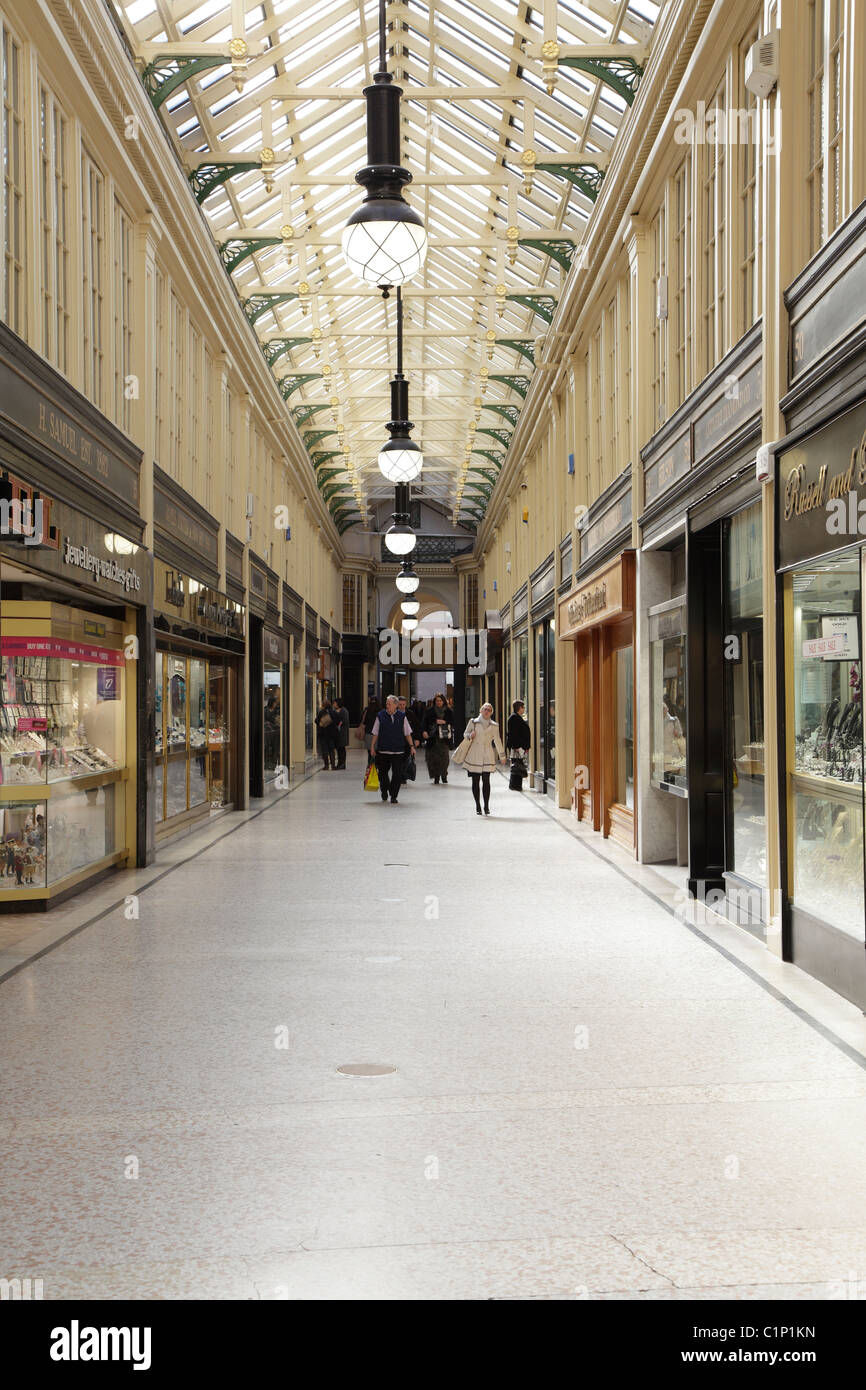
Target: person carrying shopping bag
{"x": 391, "y": 734}
{"x": 479, "y": 758}
{"x": 438, "y": 731}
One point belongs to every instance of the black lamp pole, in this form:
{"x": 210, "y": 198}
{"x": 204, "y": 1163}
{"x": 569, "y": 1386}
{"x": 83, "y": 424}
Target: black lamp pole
{"x": 383, "y": 176}
{"x": 399, "y": 425}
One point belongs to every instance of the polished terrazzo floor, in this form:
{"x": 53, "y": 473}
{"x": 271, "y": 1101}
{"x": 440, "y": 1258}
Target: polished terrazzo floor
{"x": 589, "y": 1099}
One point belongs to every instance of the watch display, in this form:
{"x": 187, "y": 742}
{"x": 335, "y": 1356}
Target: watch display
{"x": 825, "y": 738}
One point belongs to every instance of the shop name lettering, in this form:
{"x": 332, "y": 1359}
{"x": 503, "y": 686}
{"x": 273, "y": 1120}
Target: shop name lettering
{"x": 594, "y": 601}
{"x": 221, "y": 617}
{"x": 67, "y": 437}
{"x": 84, "y": 558}
{"x": 846, "y": 513}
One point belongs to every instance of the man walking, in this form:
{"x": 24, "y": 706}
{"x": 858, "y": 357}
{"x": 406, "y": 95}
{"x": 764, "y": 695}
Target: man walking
{"x": 341, "y": 717}
{"x": 392, "y": 738}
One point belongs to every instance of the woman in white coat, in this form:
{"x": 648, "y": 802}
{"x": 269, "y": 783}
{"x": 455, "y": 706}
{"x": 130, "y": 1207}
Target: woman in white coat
{"x": 485, "y": 745}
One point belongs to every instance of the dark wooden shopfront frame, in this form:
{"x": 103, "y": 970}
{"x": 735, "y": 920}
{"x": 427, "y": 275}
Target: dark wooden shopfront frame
{"x": 599, "y": 629}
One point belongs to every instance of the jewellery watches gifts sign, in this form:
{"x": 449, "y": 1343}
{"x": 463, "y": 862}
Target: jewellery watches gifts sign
{"x": 50, "y": 536}
{"x": 821, "y": 496}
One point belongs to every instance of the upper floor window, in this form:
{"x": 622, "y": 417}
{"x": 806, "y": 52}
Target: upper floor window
{"x": 659, "y": 321}
{"x": 93, "y": 284}
{"x": 54, "y": 219}
{"x": 713, "y": 209}
{"x": 750, "y": 154}
{"x": 126, "y": 386}
{"x": 471, "y": 601}
{"x": 352, "y": 591}
{"x": 681, "y": 282}
{"x": 825, "y": 104}
{"x": 12, "y": 157}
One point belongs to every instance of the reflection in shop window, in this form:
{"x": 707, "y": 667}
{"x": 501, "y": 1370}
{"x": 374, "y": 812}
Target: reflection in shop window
{"x": 825, "y": 759}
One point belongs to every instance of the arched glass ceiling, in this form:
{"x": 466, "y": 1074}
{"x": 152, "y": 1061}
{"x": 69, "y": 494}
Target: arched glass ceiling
{"x": 497, "y": 133}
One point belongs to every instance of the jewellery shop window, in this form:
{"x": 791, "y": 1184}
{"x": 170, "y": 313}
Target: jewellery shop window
{"x": 823, "y": 610}
{"x": 192, "y": 734}
{"x": 61, "y": 731}
{"x": 667, "y": 635}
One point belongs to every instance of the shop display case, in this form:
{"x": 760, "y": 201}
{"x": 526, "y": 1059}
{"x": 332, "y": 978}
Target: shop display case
{"x": 62, "y": 748}
{"x": 826, "y": 759}
{"x": 192, "y": 736}
{"x": 668, "y": 697}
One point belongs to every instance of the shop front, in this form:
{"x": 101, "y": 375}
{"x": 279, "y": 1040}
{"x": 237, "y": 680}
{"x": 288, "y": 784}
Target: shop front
{"x": 276, "y": 697}
{"x": 518, "y": 647}
{"x": 75, "y": 652}
{"x": 597, "y": 617}
{"x": 311, "y": 681}
{"x": 542, "y": 614}
{"x": 820, "y": 544}
{"x": 268, "y": 658}
{"x": 822, "y": 568}
{"x": 199, "y": 636}
{"x": 701, "y": 643}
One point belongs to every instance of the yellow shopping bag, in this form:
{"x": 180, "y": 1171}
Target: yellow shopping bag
{"x": 371, "y": 779}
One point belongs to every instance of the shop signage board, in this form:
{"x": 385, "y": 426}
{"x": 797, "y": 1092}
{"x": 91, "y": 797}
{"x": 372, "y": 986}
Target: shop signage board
{"x": 741, "y": 399}
{"x": 663, "y": 472}
{"x": 59, "y": 647}
{"x": 821, "y": 492}
{"x": 276, "y": 648}
{"x": 617, "y": 518}
{"x": 834, "y": 314}
{"x": 185, "y": 534}
{"x": 69, "y": 545}
{"x": 34, "y": 411}
{"x": 598, "y": 600}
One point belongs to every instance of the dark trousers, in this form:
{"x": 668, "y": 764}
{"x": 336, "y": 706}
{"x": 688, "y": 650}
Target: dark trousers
{"x": 390, "y": 769}
{"x": 326, "y": 748}
{"x": 341, "y": 755}
{"x": 484, "y": 779}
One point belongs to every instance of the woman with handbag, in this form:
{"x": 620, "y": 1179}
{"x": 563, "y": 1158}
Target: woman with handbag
{"x": 438, "y": 732}
{"x": 327, "y": 726}
{"x": 482, "y": 744}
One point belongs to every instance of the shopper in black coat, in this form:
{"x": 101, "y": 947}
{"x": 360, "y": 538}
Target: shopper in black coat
{"x": 518, "y": 741}
{"x": 438, "y": 733}
{"x": 341, "y": 719}
{"x": 327, "y": 723}
{"x": 518, "y": 738}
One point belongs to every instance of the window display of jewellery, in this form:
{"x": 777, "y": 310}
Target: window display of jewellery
{"x": 834, "y": 748}
{"x": 27, "y": 758}
{"x": 828, "y": 855}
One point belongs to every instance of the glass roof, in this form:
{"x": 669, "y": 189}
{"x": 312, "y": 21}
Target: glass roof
{"x": 475, "y": 100}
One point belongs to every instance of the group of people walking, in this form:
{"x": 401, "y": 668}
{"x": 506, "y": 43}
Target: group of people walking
{"x": 333, "y": 725}
{"x": 393, "y": 733}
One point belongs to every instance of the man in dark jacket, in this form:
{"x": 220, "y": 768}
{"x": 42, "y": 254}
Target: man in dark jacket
{"x": 341, "y": 717}
{"x": 391, "y": 735}
{"x": 518, "y": 738}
